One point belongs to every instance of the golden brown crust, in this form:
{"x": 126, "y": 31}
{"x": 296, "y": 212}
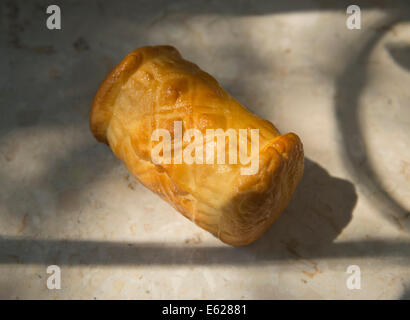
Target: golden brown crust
{"x": 104, "y": 100}
{"x": 153, "y": 87}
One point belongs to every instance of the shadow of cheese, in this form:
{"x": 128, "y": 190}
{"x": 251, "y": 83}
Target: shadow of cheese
{"x": 320, "y": 209}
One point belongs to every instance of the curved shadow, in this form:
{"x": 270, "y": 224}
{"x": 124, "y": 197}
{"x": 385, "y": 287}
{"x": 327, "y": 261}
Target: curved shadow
{"x": 400, "y": 54}
{"x": 348, "y": 90}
